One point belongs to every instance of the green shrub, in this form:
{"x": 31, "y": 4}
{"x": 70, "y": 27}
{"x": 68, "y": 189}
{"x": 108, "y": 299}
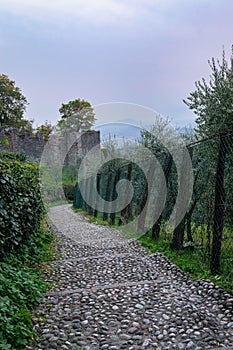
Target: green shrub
{"x": 21, "y": 288}
{"x": 51, "y": 183}
{"x": 70, "y": 172}
{"x": 21, "y": 207}
{"x": 24, "y": 243}
{"x": 11, "y": 156}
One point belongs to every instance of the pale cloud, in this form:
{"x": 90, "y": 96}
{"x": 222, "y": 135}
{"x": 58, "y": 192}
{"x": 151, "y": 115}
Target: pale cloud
{"x": 143, "y": 51}
{"x": 97, "y": 11}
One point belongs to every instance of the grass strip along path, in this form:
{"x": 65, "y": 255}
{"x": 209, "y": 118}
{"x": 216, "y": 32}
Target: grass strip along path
{"x": 108, "y": 292}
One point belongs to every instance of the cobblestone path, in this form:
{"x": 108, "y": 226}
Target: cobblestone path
{"x": 109, "y": 293}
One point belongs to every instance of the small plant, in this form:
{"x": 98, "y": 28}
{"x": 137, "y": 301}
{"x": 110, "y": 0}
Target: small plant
{"x": 25, "y": 244}
{"x": 191, "y": 261}
{"x": 21, "y": 288}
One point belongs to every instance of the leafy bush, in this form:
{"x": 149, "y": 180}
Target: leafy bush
{"x": 70, "y": 172}
{"x": 53, "y": 186}
{"x": 21, "y": 288}
{"x": 21, "y": 207}
{"x": 51, "y": 183}
{"x": 23, "y": 245}
{"x": 11, "y": 156}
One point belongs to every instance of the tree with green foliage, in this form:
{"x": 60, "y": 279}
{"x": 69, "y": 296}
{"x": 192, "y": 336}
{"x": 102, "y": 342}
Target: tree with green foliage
{"x": 155, "y": 139}
{"x": 213, "y": 104}
{"x": 12, "y": 104}
{"x": 77, "y": 115}
{"x": 45, "y": 129}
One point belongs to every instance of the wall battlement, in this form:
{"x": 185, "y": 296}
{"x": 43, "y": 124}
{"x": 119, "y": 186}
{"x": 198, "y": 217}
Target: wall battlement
{"x": 32, "y": 144}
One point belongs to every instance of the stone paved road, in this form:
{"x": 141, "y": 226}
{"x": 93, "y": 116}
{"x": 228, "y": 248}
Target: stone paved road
{"x": 109, "y": 293}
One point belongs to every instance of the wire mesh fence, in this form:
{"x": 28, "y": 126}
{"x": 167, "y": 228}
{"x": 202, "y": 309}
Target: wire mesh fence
{"x": 207, "y": 224}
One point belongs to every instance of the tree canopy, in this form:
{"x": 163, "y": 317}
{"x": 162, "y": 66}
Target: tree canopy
{"x": 77, "y": 115}
{"x": 45, "y": 129}
{"x": 213, "y": 104}
{"x": 12, "y": 104}
{"x": 213, "y": 101}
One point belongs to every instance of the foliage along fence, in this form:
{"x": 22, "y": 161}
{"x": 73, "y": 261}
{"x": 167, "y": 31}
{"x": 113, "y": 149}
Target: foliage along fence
{"x": 21, "y": 208}
{"x": 208, "y": 222}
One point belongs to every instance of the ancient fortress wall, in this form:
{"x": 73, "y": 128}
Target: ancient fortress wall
{"x": 33, "y": 144}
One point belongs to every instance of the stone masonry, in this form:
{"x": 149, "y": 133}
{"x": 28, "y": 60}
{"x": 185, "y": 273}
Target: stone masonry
{"x": 33, "y": 143}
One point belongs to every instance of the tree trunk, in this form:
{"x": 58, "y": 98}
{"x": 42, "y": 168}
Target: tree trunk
{"x": 114, "y": 196}
{"x": 178, "y": 234}
{"x": 129, "y": 213}
{"x": 155, "y": 232}
{"x": 189, "y": 220}
{"x": 78, "y": 199}
{"x": 107, "y": 195}
{"x": 84, "y": 204}
{"x": 98, "y": 190}
{"x": 90, "y": 191}
{"x": 219, "y": 207}
{"x": 208, "y": 229}
{"x": 144, "y": 201}
{"x": 189, "y": 228}
{"x": 126, "y": 212}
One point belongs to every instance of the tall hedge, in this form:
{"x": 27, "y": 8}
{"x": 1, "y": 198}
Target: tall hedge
{"x": 21, "y": 207}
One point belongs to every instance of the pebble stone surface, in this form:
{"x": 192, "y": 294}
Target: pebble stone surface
{"x": 108, "y": 292}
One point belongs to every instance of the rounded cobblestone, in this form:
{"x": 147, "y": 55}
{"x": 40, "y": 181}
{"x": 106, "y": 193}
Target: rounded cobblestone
{"x": 109, "y": 293}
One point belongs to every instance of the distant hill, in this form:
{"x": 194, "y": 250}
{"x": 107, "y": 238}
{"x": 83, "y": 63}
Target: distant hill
{"x": 127, "y": 130}
{"x": 119, "y": 130}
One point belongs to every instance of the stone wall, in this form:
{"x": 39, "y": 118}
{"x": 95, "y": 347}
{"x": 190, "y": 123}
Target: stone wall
{"x": 80, "y": 148}
{"x": 33, "y": 144}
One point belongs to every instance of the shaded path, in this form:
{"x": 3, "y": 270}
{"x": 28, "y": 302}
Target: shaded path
{"x": 109, "y": 293}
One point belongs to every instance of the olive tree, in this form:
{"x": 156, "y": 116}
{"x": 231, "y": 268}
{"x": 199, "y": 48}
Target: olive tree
{"x": 212, "y": 102}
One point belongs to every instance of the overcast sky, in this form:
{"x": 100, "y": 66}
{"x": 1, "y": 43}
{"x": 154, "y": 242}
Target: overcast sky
{"x": 148, "y": 52}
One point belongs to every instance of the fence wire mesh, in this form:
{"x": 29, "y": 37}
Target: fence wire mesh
{"x": 207, "y": 225}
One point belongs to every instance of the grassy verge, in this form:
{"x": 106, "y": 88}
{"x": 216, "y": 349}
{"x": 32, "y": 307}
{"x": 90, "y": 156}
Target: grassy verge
{"x": 57, "y": 203}
{"x": 93, "y": 219}
{"x": 193, "y": 261}
{"x": 21, "y": 288}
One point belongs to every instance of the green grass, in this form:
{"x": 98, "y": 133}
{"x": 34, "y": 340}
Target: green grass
{"x": 70, "y": 174}
{"x": 60, "y": 202}
{"x": 93, "y": 219}
{"x": 195, "y": 262}
{"x": 21, "y": 288}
